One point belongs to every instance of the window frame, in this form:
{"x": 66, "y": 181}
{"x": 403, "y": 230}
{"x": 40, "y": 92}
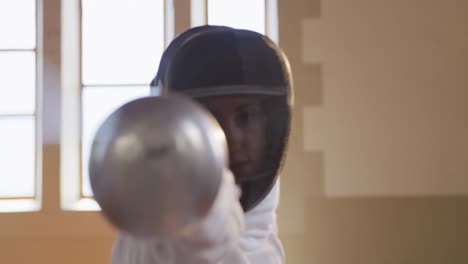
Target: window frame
{"x": 30, "y": 203}
{"x": 72, "y": 194}
{"x": 199, "y": 16}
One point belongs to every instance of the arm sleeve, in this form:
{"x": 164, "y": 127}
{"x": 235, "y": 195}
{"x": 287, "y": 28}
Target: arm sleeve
{"x": 260, "y": 242}
{"x": 220, "y": 239}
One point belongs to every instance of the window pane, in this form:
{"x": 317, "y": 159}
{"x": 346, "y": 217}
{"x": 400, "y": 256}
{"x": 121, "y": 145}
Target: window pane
{"x": 122, "y": 40}
{"x": 17, "y": 24}
{"x": 17, "y": 82}
{"x": 17, "y": 157}
{"x": 245, "y": 14}
{"x": 95, "y": 112}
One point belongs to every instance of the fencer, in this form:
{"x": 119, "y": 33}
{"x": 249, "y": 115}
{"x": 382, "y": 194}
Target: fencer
{"x": 244, "y": 80}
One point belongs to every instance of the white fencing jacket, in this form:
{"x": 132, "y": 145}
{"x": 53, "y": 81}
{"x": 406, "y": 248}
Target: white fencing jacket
{"x": 226, "y": 236}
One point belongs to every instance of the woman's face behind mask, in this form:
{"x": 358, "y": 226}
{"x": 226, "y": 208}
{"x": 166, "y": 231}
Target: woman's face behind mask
{"x": 243, "y": 120}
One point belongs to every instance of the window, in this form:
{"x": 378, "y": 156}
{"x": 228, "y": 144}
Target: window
{"x": 111, "y": 61}
{"x": 120, "y": 55}
{"x": 18, "y": 100}
{"x": 246, "y": 14}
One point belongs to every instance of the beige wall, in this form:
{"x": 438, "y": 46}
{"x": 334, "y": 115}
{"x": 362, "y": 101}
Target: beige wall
{"x": 326, "y": 218}
{"x": 377, "y": 167}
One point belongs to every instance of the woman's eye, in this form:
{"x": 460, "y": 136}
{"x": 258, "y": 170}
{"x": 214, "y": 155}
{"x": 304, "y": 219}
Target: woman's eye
{"x": 248, "y": 116}
{"x": 244, "y": 117}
